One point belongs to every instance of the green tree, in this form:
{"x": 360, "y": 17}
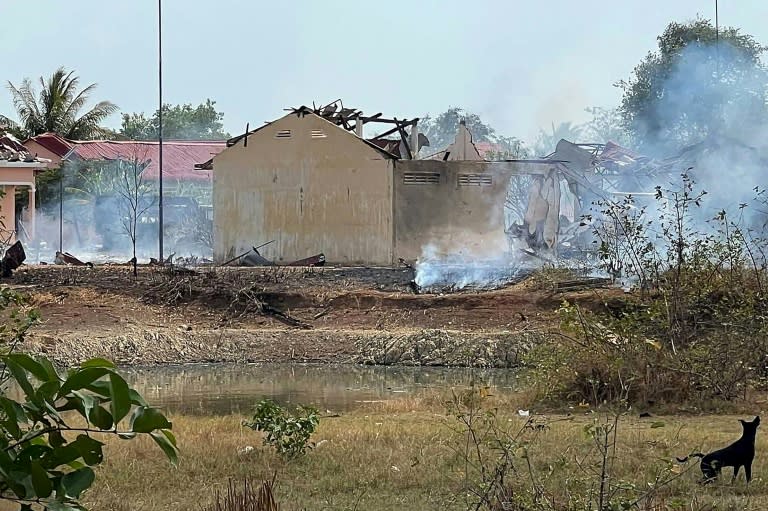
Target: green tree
{"x": 57, "y": 108}
{"x": 441, "y": 130}
{"x": 698, "y": 83}
{"x": 180, "y": 122}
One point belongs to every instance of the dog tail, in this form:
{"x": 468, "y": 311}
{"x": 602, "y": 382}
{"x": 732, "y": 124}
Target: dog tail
{"x": 692, "y": 455}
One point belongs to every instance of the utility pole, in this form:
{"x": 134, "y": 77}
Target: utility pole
{"x": 160, "y": 119}
{"x": 717, "y": 41}
{"x": 61, "y": 207}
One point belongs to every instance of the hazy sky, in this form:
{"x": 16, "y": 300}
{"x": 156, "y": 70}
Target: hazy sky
{"x": 521, "y": 65}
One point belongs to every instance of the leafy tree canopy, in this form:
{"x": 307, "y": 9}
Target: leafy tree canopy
{"x": 180, "y": 122}
{"x": 57, "y": 108}
{"x": 698, "y": 83}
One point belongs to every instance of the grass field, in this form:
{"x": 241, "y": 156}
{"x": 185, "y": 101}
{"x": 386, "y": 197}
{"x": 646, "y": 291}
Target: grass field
{"x": 408, "y": 455}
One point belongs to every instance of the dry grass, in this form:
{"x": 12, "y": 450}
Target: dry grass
{"x": 402, "y": 455}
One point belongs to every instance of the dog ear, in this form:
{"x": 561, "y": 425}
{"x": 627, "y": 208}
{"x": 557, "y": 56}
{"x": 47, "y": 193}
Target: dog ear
{"x": 757, "y": 419}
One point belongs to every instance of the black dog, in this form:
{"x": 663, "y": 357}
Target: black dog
{"x": 739, "y": 454}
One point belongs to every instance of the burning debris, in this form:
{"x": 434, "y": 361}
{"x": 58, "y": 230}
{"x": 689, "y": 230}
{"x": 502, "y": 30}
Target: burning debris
{"x": 441, "y": 273}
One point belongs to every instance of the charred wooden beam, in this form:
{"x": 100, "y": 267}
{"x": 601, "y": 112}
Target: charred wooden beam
{"x": 389, "y": 132}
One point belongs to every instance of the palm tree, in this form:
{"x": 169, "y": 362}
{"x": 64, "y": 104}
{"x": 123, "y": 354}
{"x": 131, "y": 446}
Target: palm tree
{"x": 57, "y": 108}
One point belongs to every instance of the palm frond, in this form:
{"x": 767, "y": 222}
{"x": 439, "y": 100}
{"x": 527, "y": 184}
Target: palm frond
{"x": 57, "y": 106}
{"x": 87, "y": 125}
{"x": 77, "y": 102}
{"x": 26, "y": 107}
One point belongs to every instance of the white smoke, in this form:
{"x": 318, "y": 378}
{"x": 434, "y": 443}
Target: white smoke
{"x": 457, "y": 271}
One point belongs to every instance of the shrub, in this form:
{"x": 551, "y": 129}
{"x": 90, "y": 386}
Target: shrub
{"x": 696, "y": 331}
{"x": 287, "y": 432}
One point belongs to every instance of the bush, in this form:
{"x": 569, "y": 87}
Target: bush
{"x": 504, "y": 464}
{"x": 697, "y": 329}
{"x": 287, "y": 432}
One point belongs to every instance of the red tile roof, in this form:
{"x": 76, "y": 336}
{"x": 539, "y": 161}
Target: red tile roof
{"x": 179, "y": 157}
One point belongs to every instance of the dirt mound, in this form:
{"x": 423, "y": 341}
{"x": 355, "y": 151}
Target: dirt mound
{"x": 255, "y": 314}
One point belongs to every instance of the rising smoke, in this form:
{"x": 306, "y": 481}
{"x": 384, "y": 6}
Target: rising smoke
{"x": 711, "y": 116}
{"x": 91, "y": 214}
{"x": 456, "y": 271}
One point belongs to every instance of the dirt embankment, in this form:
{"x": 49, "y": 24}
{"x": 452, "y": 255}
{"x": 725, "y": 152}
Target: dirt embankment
{"x": 360, "y": 315}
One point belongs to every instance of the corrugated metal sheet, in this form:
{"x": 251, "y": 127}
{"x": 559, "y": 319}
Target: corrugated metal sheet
{"x": 179, "y": 157}
{"x": 53, "y": 142}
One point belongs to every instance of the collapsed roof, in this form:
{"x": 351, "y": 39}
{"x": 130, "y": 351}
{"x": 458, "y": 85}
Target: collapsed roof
{"x": 353, "y": 120}
{"x": 12, "y": 151}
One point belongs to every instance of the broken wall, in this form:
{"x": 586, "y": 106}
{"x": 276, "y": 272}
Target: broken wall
{"x": 457, "y": 207}
{"x": 311, "y": 186}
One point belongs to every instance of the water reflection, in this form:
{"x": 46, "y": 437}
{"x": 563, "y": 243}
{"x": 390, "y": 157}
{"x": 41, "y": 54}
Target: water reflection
{"x": 219, "y": 389}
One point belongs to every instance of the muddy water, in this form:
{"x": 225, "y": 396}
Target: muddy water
{"x": 226, "y": 389}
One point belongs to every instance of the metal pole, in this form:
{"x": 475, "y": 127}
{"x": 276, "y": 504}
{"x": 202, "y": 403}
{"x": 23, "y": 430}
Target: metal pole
{"x": 717, "y": 42}
{"x": 61, "y": 208}
{"x": 717, "y": 25}
{"x": 160, "y": 120}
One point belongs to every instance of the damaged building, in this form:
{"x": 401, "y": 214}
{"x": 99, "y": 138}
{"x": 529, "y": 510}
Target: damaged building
{"x": 311, "y": 183}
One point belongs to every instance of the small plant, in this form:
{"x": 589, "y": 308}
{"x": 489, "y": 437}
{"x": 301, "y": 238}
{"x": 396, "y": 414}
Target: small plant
{"x": 287, "y": 432}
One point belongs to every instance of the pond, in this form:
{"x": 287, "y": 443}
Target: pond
{"x": 221, "y": 389}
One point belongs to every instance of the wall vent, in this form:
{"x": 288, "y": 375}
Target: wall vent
{"x": 421, "y": 178}
{"x": 283, "y": 134}
{"x": 318, "y": 134}
{"x": 475, "y": 180}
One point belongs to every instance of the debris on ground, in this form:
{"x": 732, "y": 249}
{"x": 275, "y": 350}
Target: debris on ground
{"x": 405, "y": 263}
{"x": 583, "y": 283}
{"x": 155, "y": 262}
{"x": 315, "y": 260}
{"x": 68, "y": 259}
{"x": 254, "y": 258}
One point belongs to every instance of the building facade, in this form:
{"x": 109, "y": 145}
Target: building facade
{"x": 310, "y": 186}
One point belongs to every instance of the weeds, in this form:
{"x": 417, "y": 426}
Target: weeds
{"x": 506, "y": 466}
{"x": 246, "y": 498}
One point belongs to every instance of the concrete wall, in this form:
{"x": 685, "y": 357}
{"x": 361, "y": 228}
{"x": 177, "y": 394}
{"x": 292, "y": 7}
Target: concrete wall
{"x": 319, "y": 189}
{"x": 7, "y": 210}
{"x": 457, "y": 207}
